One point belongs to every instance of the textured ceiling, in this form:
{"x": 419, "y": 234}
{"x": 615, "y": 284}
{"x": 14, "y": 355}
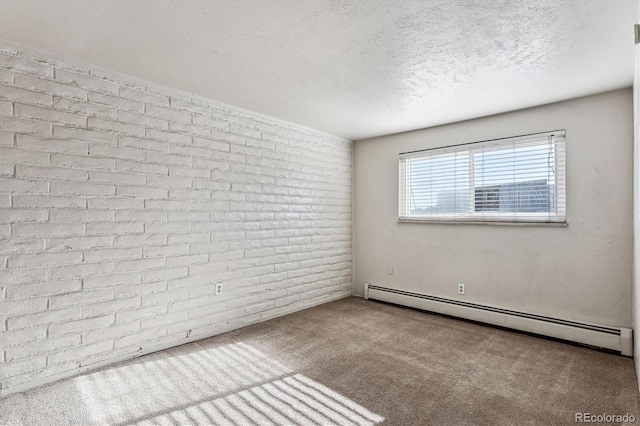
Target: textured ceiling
{"x": 351, "y": 68}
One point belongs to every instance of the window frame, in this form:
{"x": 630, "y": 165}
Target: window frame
{"x": 557, "y": 218}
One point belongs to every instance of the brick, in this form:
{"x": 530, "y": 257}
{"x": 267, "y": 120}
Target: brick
{"x": 6, "y": 77}
{"x": 20, "y": 246}
{"x": 188, "y": 217}
{"x": 77, "y": 243}
{"x": 83, "y": 162}
{"x": 189, "y": 325}
{"x": 84, "y": 351}
{"x": 143, "y": 120}
{"x": 84, "y": 135}
{"x": 136, "y": 167}
{"x": 142, "y": 96}
{"x": 81, "y": 188}
{"x": 17, "y": 94}
{"x": 166, "y": 251}
{"x": 98, "y": 255}
{"x": 189, "y": 128}
{"x": 51, "y": 144}
{"x": 244, "y": 131}
{"x": 85, "y": 81}
{"x": 188, "y": 304}
{"x": 227, "y": 137}
{"x": 41, "y": 347}
{"x": 116, "y": 102}
{"x": 211, "y": 124}
{"x": 169, "y": 182}
{"x": 141, "y": 338}
{"x": 140, "y": 264}
{"x": 10, "y": 185}
{"x": 6, "y": 138}
{"x": 111, "y": 332}
{"x": 167, "y": 205}
{"x": 144, "y": 144}
{"x": 210, "y": 164}
{"x": 112, "y": 280}
{"x": 168, "y": 114}
{"x": 165, "y": 274}
{"x": 85, "y": 108}
{"x": 47, "y": 317}
{"x": 80, "y": 326}
{"x": 23, "y": 65}
{"x": 114, "y": 228}
{"x": 50, "y": 173}
{"x": 80, "y": 270}
{"x": 49, "y": 115}
{"x": 116, "y": 152}
{"x": 24, "y": 366}
{"x": 22, "y": 125}
{"x": 117, "y": 178}
{"x": 82, "y": 216}
{"x": 43, "y": 289}
{"x": 169, "y": 137}
{"x": 47, "y": 229}
{"x": 37, "y": 375}
{"x": 167, "y": 319}
{"x": 114, "y": 204}
{"x": 141, "y": 192}
{"x": 211, "y": 144}
{"x": 159, "y": 198}
{"x": 9, "y": 277}
{"x": 6, "y": 108}
{"x": 44, "y": 259}
{"x": 164, "y": 297}
{"x": 11, "y": 338}
{"x": 50, "y": 87}
{"x": 189, "y": 172}
{"x": 190, "y": 194}
{"x": 25, "y": 306}
{"x": 138, "y": 216}
{"x": 139, "y": 289}
{"x": 115, "y": 126}
{"x": 44, "y": 201}
{"x": 189, "y": 151}
{"x": 137, "y": 314}
{"x": 185, "y": 105}
{"x": 22, "y": 156}
{"x": 110, "y": 307}
{"x": 137, "y": 240}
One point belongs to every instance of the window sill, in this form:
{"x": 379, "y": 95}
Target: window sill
{"x": 494, "y": 223}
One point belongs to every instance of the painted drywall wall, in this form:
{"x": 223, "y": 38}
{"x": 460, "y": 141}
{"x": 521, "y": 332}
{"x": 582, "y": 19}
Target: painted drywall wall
{"x": 636, "y": 210}
{"x": 580, "y": 272}
{"x": 122, "y": 205}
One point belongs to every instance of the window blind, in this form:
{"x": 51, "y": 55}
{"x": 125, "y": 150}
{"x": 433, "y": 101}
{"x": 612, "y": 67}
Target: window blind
{"x": 518, "y": 179}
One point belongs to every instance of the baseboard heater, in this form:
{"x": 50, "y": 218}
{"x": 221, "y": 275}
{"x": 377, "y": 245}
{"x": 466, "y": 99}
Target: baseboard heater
{"x": 601, "y": 336}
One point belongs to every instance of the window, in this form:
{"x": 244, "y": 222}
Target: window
{"x": 519, "y": 179}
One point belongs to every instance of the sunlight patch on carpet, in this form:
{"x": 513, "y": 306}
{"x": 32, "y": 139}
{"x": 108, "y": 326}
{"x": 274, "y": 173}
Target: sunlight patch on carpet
{"x": 233, "y": 384}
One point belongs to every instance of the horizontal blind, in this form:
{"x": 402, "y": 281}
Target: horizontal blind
{"x": 519, "y": 179}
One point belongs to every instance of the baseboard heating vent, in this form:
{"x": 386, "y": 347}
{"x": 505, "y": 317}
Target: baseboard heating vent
{"x": 602, "y": 336}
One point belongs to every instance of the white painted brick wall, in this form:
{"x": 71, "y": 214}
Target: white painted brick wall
{"x": 122, "y": 205}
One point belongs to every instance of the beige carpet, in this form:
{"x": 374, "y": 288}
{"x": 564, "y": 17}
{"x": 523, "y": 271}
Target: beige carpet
{"x": 351, "y": 362}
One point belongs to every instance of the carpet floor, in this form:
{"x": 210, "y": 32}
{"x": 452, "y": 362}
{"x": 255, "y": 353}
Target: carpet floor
{"x": 351, "y": 362}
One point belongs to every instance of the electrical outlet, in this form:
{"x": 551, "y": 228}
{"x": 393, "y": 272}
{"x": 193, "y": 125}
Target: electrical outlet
{"x": 460, "y": 288}
{"x": 218, "y": 289}
{"x": 390, "y": 269}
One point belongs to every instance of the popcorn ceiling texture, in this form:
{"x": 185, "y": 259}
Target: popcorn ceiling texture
{"x": 371, "y": 68}
{"x": 122, "y": 205}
